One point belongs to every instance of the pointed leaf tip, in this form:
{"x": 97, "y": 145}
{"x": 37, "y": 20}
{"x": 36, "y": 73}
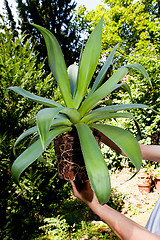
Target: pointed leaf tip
{"x": 140, "y": 69}
{"x": 88, "y": 62}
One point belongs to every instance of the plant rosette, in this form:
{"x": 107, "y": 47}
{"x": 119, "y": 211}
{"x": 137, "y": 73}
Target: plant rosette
{"x": 81, "y": 111}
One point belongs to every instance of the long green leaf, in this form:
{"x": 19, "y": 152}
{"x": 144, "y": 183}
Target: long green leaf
{"x": 115, "y": 108}
{"x": 124, "y": 140}
{"x": 102, "y": 91}
{"x": 125, "y": 86}
{"x": 89, "y": 61}
{"x": 140, "y": 69}
{"x": 96, "y": 116}
{"x": 33, "y": 152}
{"x": 26, "y": 134}
{"x": 96, "y": 167}
{"x": 42, "y": 100}
{"x": 57, "y": 64}
{"x": 73, "y": 77}
{"x": 44, "y": 121}
{"x": 103, "y": 71}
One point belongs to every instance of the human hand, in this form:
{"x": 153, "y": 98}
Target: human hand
{"x": 84, "y": 192}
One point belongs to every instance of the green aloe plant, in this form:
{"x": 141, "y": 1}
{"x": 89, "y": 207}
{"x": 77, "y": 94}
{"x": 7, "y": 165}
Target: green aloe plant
{"x": 81, "y": 111}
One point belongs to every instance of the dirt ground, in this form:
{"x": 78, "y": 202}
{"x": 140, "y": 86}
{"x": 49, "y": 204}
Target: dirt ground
{"x": 137, "y": 206}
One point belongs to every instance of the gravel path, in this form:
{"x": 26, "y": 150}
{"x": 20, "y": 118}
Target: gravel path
{"x": 137, "y": 206}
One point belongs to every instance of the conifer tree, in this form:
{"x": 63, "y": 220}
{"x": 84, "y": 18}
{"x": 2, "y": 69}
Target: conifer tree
{"x": 55, "y": 15}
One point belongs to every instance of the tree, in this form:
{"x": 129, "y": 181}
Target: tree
{"x": 56, "y": 16}
{"x": 127, "y": 22}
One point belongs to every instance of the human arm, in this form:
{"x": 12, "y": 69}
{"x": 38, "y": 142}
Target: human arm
{"x": 123, "y": 227}
{"x": 149, "y": 152}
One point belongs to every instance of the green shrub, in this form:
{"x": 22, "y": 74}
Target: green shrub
{"x": 23, "y": 209}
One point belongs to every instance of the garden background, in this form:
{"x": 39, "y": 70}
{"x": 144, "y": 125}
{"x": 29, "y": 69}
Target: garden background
{"x": 44, "y": 198}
